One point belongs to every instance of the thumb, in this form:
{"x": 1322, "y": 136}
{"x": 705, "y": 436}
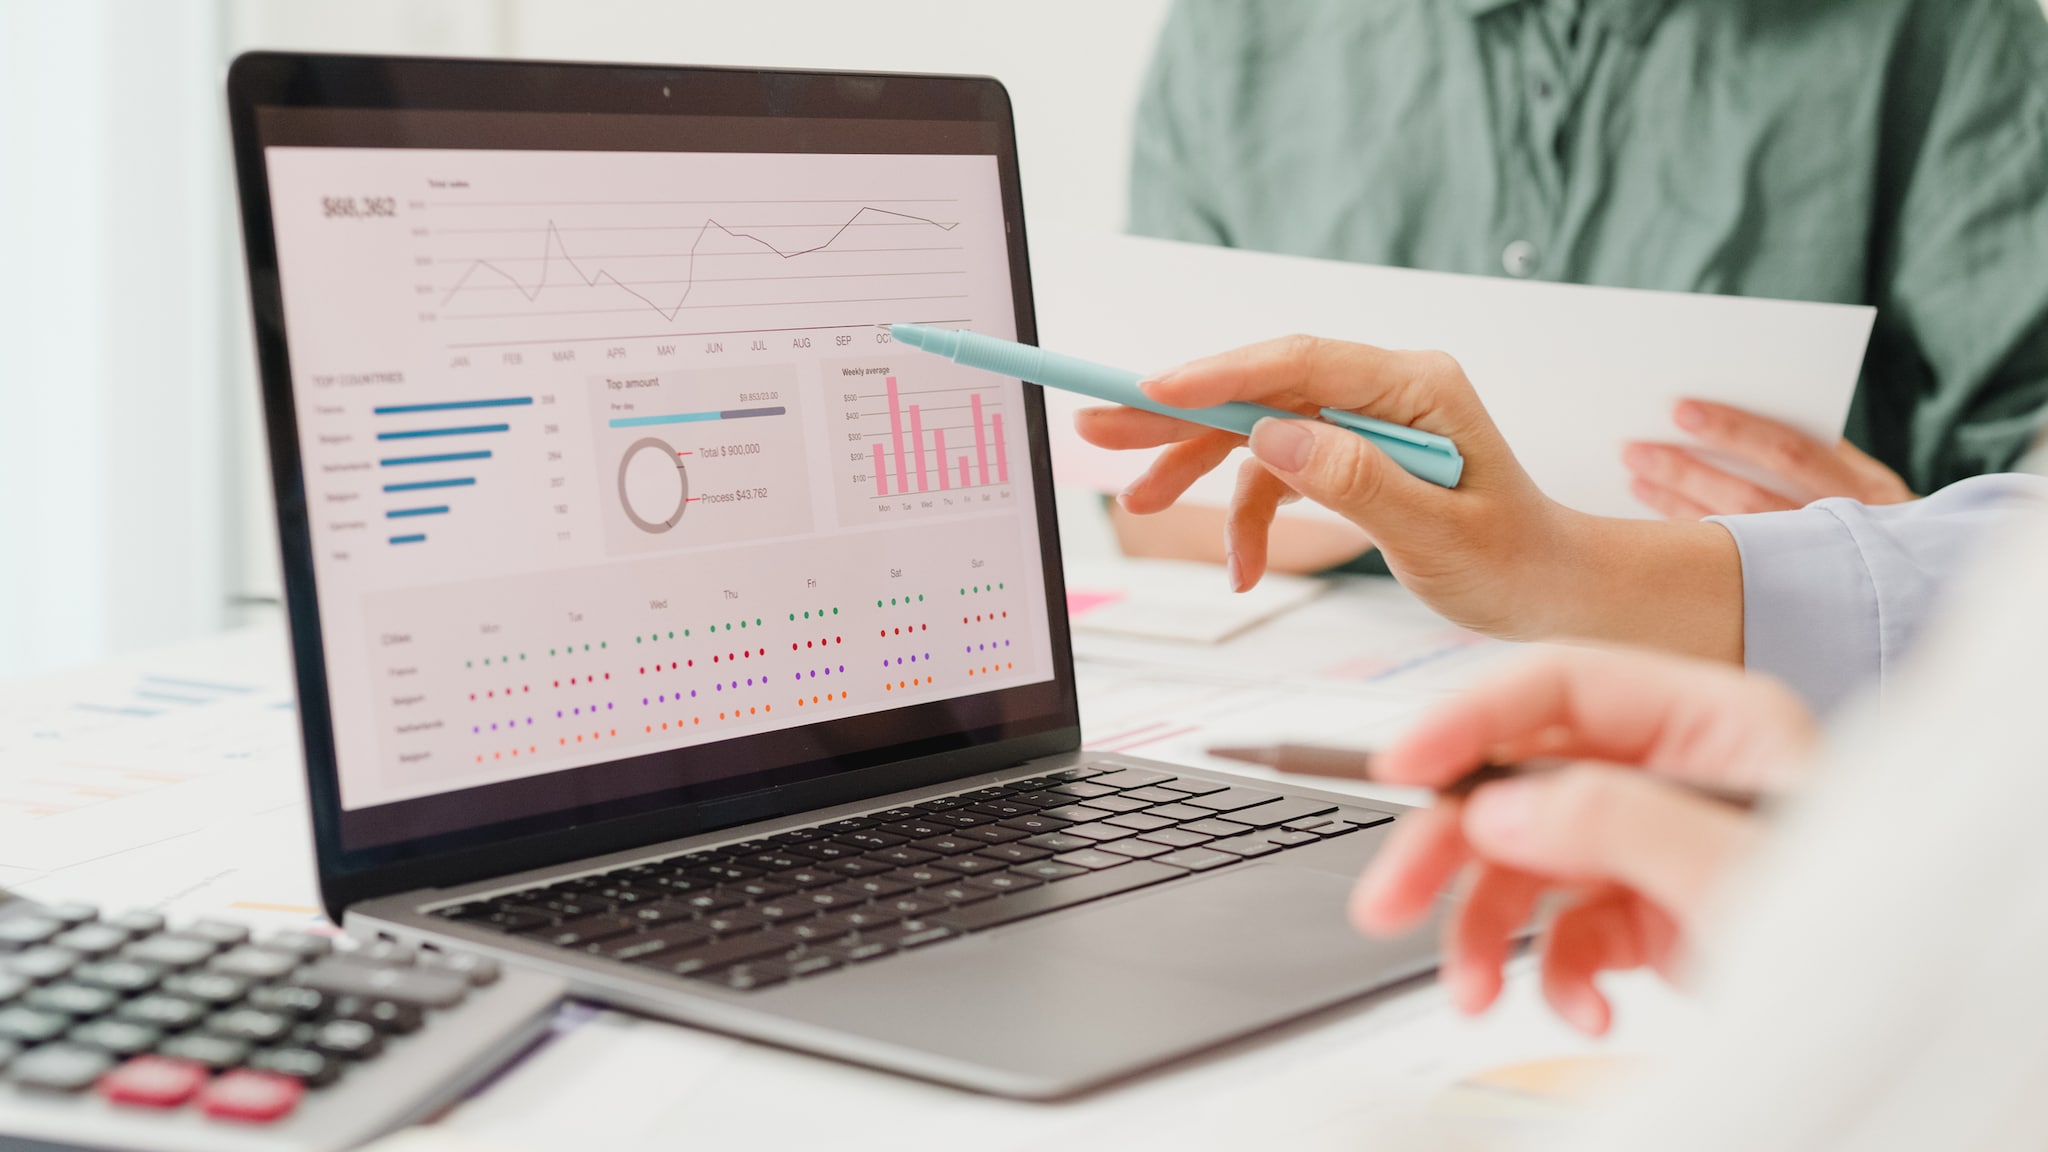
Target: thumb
{"x": 1604, "y": 825}
{"x": 1340, "y": 470}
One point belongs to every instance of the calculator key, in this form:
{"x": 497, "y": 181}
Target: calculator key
{"x": 71, "y": 999}
{"x": 154, "y": 1082}
{"x": 251, "y": 1097}
{"x": 122, "y": 977}
{"x": 162, "y": 1010}
{"x": 388, "y": 1017}
{"x": 59, "y": 1068}
{"x": 115, "y": 1037}
{"x": 480, "y": 971}
{"x": 253, "y": 1025}
{"x": 91, "y": 940}
{"x": 303, "y": 1064}
{"x": 12, "y": 986}
{"x": 388, "y": 953}
{"x": 208, "y": 987}
{"x": 405, "y": 985}
{"x": 256, "y": 964}
{"x": 347, "y": 1039}
{"x": 304, "y": 945}
{"x": 138, "y": 923}
{"x": 25, "y": 1025}
{"x": 72, "y": 913}
{"x": 170, "y": 951}
{"x": 41, "y": 965}
{"x": 216, "y": 1052}
{"x": 8, "y": 1051}
{"x": 221, "y": 933}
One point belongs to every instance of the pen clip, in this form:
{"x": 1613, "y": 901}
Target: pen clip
{"x": 1392, "y": 431}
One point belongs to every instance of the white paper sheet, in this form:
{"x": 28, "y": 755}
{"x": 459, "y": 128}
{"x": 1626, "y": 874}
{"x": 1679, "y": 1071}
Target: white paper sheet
{"x": 1569, "y": 373}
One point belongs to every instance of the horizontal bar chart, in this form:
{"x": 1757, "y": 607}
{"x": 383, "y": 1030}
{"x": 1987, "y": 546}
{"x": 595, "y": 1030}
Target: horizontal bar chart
{"x": 402, "y": 513}
{"x": 423, "y": 433}
{"x": 453, "y": 406}
{"x": 439, "y": 458}
{"x": 696, "y": 417}
{"x": 423, "y": 485}
{"x": 413, "y": 538}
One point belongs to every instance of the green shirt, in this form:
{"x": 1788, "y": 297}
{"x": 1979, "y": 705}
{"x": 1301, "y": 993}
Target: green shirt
{"x": 1886, "y": 152}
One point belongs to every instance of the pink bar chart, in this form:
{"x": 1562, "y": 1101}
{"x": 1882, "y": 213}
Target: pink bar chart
{"x": 913, "y": 458}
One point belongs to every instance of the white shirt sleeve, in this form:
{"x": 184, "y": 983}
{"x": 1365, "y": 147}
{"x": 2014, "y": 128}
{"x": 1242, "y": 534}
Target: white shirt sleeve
{"x": 1834, "y": 594}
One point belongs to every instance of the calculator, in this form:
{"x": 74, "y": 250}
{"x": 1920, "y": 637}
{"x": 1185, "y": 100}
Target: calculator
{"x": 126, "y": 1032}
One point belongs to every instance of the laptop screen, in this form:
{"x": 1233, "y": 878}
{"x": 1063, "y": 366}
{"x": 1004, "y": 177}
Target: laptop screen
{"x": 613, "y": 485}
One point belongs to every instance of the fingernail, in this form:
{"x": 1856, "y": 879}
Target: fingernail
{"x": 1283, "y": 444}
{"x": 1468, "y": 989}
{"x": 1146, "y": 385}
{"x": 1235, "y": 571}
{"x": 1690, "y": 416}
{"x": 1123, "y": 499}
{"x": 1499, "y": 814}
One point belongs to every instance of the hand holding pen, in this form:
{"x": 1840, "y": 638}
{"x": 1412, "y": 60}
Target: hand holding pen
{"x": 1637, "y": 839}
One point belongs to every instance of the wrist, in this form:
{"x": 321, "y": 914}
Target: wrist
{"x": 1654, "y": 583}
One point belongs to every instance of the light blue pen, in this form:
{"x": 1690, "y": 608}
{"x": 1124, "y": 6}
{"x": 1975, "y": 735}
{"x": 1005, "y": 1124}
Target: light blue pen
{"x": 1433, "y": 458}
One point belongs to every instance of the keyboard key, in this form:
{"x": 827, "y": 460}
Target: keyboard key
{"x": 153, "y": 1082}
{"x": 1245, "y": 846}
{"x": 878, "y": 886}
{"x": 480, "y": 971}
{"x": 630, "y": 949}
{"x": 1003, "y": 882}
{"x": 162, "y": 1011}
{"x": 782, "y": 861}
{"x": 916, "y": 829}
{"x": 405, "y": 985}
{"x": 1157, "y": 795}
{"x": 115, "y": 1037}
{"x": 1215, "y": 826}
{"x": 59, "y": 1068}
{"x": 919, "y": 905}
{"x": 713, "y": 900}
{"x": 347, "y": 1040}
{"x": 1003, "y": 809}
{"x": 974, "y": 865}
{"x": 587, "y": 931}
{"x": 811, "y": 963}
{"x": 301, "y": 1064}
{"x": 1051, "y": 870}
{"x": 1116, "y": 803}
{"x": 1054, "y": 897}
{"x": 1140, "y": 821}
{"x": 1134, "y": 848}
{"x": 1098, "y": 832}
{"x": 960, "y": 894}
{"x": 1013, "y": 853}
{"x": 1176, "y": 837}
{"x": 993, "y": 834}
{"x": 828, "y": 898}
{"x": 1035, "y": 823}
{"x": 216, "y": 1052}
{"x": 41, "y": 965}
{"x": 733, "y": 921}
{"x": 947, "y": 845}
{"x": 254, "y": 963}
{"x": 1076, "y": 813}
{"x": 962, "y": 819}
{"x": 851, "y": 824}
{"x": 251, "y": 1097}
{"x": 748, "y": 977}
{"x": 722, "y": 953}
{"x": 1042, "y": 800}
{"x": 869, "y": 916}
{"x": 912, "y": 934}
{"x": 942, "y": 804}
{"x": 1231, "y": 799}
{"x": 1278, "y": 812}
{"x": 1126, "y": 778}
{"x": 1079, "y": 772}
{"x": 1194, "y": 786}
{"x": 1093, "y": 859}
{"x": 1365, "y": 817}
{"x": 1199, "y": 859}
{"x": 1179, "y": 812}
{"x": 1080, "y": 790}
{"x": 829, "y": 927}
{"x": 71, "y": 999}
{"x": 904, "y": 857}
{"x": 1287, "y": 839}
{"x": 1059, "y": 842}
{"x": 25, "y": 1025}
{"x": 873, "y": 840}
{"x": 855, "y": 950}
{"x": 805, "y": 877}
{"x": 923, "y": 876}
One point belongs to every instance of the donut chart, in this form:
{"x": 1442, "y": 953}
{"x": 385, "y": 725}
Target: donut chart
{"x": 651, "y": 499}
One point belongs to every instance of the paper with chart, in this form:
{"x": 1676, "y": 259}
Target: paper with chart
{"x": 1570, "y": 373}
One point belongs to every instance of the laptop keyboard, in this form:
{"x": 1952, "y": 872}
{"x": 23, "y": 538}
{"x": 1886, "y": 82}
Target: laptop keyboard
{"x": 814, "y": 900}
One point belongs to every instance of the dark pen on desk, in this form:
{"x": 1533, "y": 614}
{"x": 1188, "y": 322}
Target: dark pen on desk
{"x": 1356, "y": 764}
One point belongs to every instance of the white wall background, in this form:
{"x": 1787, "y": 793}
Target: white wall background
{"x": 133, "y": 493}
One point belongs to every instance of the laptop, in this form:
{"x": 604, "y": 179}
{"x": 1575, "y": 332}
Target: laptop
{"x": 659, "y": 625}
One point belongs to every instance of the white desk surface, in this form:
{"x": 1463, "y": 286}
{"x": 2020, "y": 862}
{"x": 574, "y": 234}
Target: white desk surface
{"x": 172, "y": 780}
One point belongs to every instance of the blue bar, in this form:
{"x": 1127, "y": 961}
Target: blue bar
{"x": 146, "y": 694}
{"x": 436, "y": 510}
{"x": 453, "y": 406}
{"x": 422, "y": 433}
{"x": 443, "y": 458}
{"x": 695, "y": 417}
{"x": 415, "y": 538}
{"x": 417, "y": 485}
{"x": 205, "y": 685}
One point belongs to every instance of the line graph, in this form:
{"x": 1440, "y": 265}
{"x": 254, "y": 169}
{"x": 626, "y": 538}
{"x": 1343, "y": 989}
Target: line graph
{"x": 806, "y": 261}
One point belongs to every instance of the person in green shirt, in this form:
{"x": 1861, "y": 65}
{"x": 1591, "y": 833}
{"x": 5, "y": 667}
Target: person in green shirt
{"x": 1883, "y": 152}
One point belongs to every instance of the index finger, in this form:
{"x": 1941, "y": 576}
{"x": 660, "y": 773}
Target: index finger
{"x": 1305, "y": 373}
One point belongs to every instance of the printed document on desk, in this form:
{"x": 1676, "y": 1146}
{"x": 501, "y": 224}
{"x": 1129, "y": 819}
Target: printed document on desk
{"x": 1570, "y": 373}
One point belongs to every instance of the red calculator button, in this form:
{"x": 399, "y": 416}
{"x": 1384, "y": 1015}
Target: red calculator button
{"x": 255, "y": 1097}
{"x": 153, "y": 1082}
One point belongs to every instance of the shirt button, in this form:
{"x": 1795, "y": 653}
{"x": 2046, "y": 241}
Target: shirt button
{"x": 1519, "y": 259}
{"x": 1541, "y": 89}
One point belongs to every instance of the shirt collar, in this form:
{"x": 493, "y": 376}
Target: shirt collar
{"x": 1632, "y": 19}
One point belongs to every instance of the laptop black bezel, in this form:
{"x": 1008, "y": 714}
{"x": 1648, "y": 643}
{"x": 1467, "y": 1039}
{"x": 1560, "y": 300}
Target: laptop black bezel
{"x": 290, "y": 80}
